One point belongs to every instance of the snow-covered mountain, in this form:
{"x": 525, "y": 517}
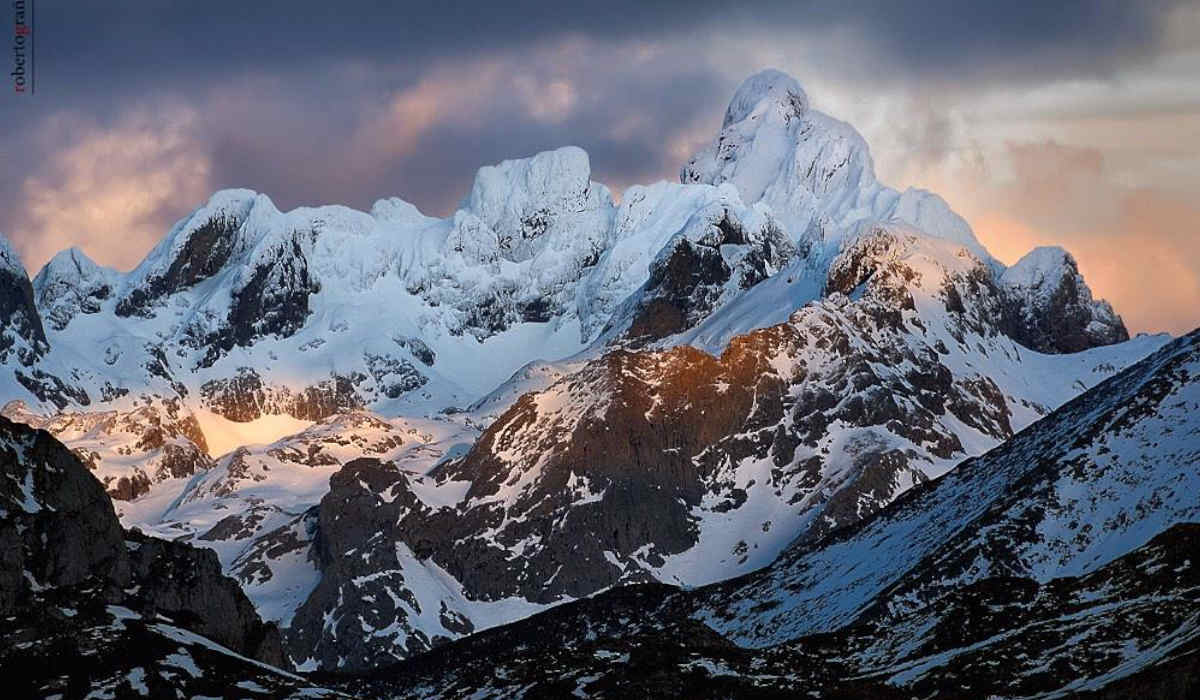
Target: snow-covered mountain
{"x": 1062, "y": 563}
{"x": 687, "y": 468}
{"x": 537, "y": 264}
{"x": 813, "y": 171}
{"x": 397, "y": 430}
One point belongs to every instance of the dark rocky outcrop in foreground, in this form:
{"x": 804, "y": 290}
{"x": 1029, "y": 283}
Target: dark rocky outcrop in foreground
{"x": 1012, "y": 637}
{"x": 86, "y": 603}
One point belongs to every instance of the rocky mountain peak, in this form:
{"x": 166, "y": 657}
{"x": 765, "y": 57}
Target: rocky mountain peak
{"x": 767, "y": 90}
{"x": 21, "y": 331}
{"x": 196, "y": 249}
{"x": 1050, "y": 308}
{"x": 815, "y": 172}
{"x": 71, "y": 284}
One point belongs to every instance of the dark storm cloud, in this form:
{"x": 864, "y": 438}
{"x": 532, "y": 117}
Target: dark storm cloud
{"x": 320, "y": 65}
{"x": 103, "y": 46}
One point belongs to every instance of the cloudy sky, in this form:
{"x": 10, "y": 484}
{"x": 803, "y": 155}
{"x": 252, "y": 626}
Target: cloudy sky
{"x": 1065, "y": 123}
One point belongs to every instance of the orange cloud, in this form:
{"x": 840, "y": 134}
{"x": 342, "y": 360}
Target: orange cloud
{"x": 106, "y": 189}
{"x": 1144, "y": 262}
{"x": 1136, "y": 247}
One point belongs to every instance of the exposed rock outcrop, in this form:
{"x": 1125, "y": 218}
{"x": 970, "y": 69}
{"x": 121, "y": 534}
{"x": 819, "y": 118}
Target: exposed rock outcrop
{"x": 162, "y": 437}
{"x": 1049, "y": 308}
{"x": 245, "y": 396}
{"x": 22, "y": 337}
{"x": 714, "y": 258}
{"x": 61, "y": 535}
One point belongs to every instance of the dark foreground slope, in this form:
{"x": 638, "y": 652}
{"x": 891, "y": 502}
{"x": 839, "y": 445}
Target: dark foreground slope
{"x": 89, "y": 607}
{"x": 1065, "y": 562}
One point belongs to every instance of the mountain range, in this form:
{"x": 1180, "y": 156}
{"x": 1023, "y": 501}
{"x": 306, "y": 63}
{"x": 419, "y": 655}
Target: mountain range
{"x": 775, "y": 427}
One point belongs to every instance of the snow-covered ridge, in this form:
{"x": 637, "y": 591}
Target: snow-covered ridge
{"x": 538, "y": 263}
{"x": 1099, "y": 477}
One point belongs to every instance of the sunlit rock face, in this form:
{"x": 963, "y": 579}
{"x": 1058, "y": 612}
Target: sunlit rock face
{"x": 680, "y": 466}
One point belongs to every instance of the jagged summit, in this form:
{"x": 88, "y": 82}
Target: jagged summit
{"x": 538, "y": 263}
{"x": 1040, "y": 267}
{"x": 766, "y": 89}
{"x": 197, "y": 248}
{"x": 815, "y": 172}
{"x": 1050, "y": 308}
{"x": 70, "y": 284}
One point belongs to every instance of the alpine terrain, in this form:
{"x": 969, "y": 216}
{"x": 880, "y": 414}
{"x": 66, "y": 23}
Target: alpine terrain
{"x": 774, "y": 428}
